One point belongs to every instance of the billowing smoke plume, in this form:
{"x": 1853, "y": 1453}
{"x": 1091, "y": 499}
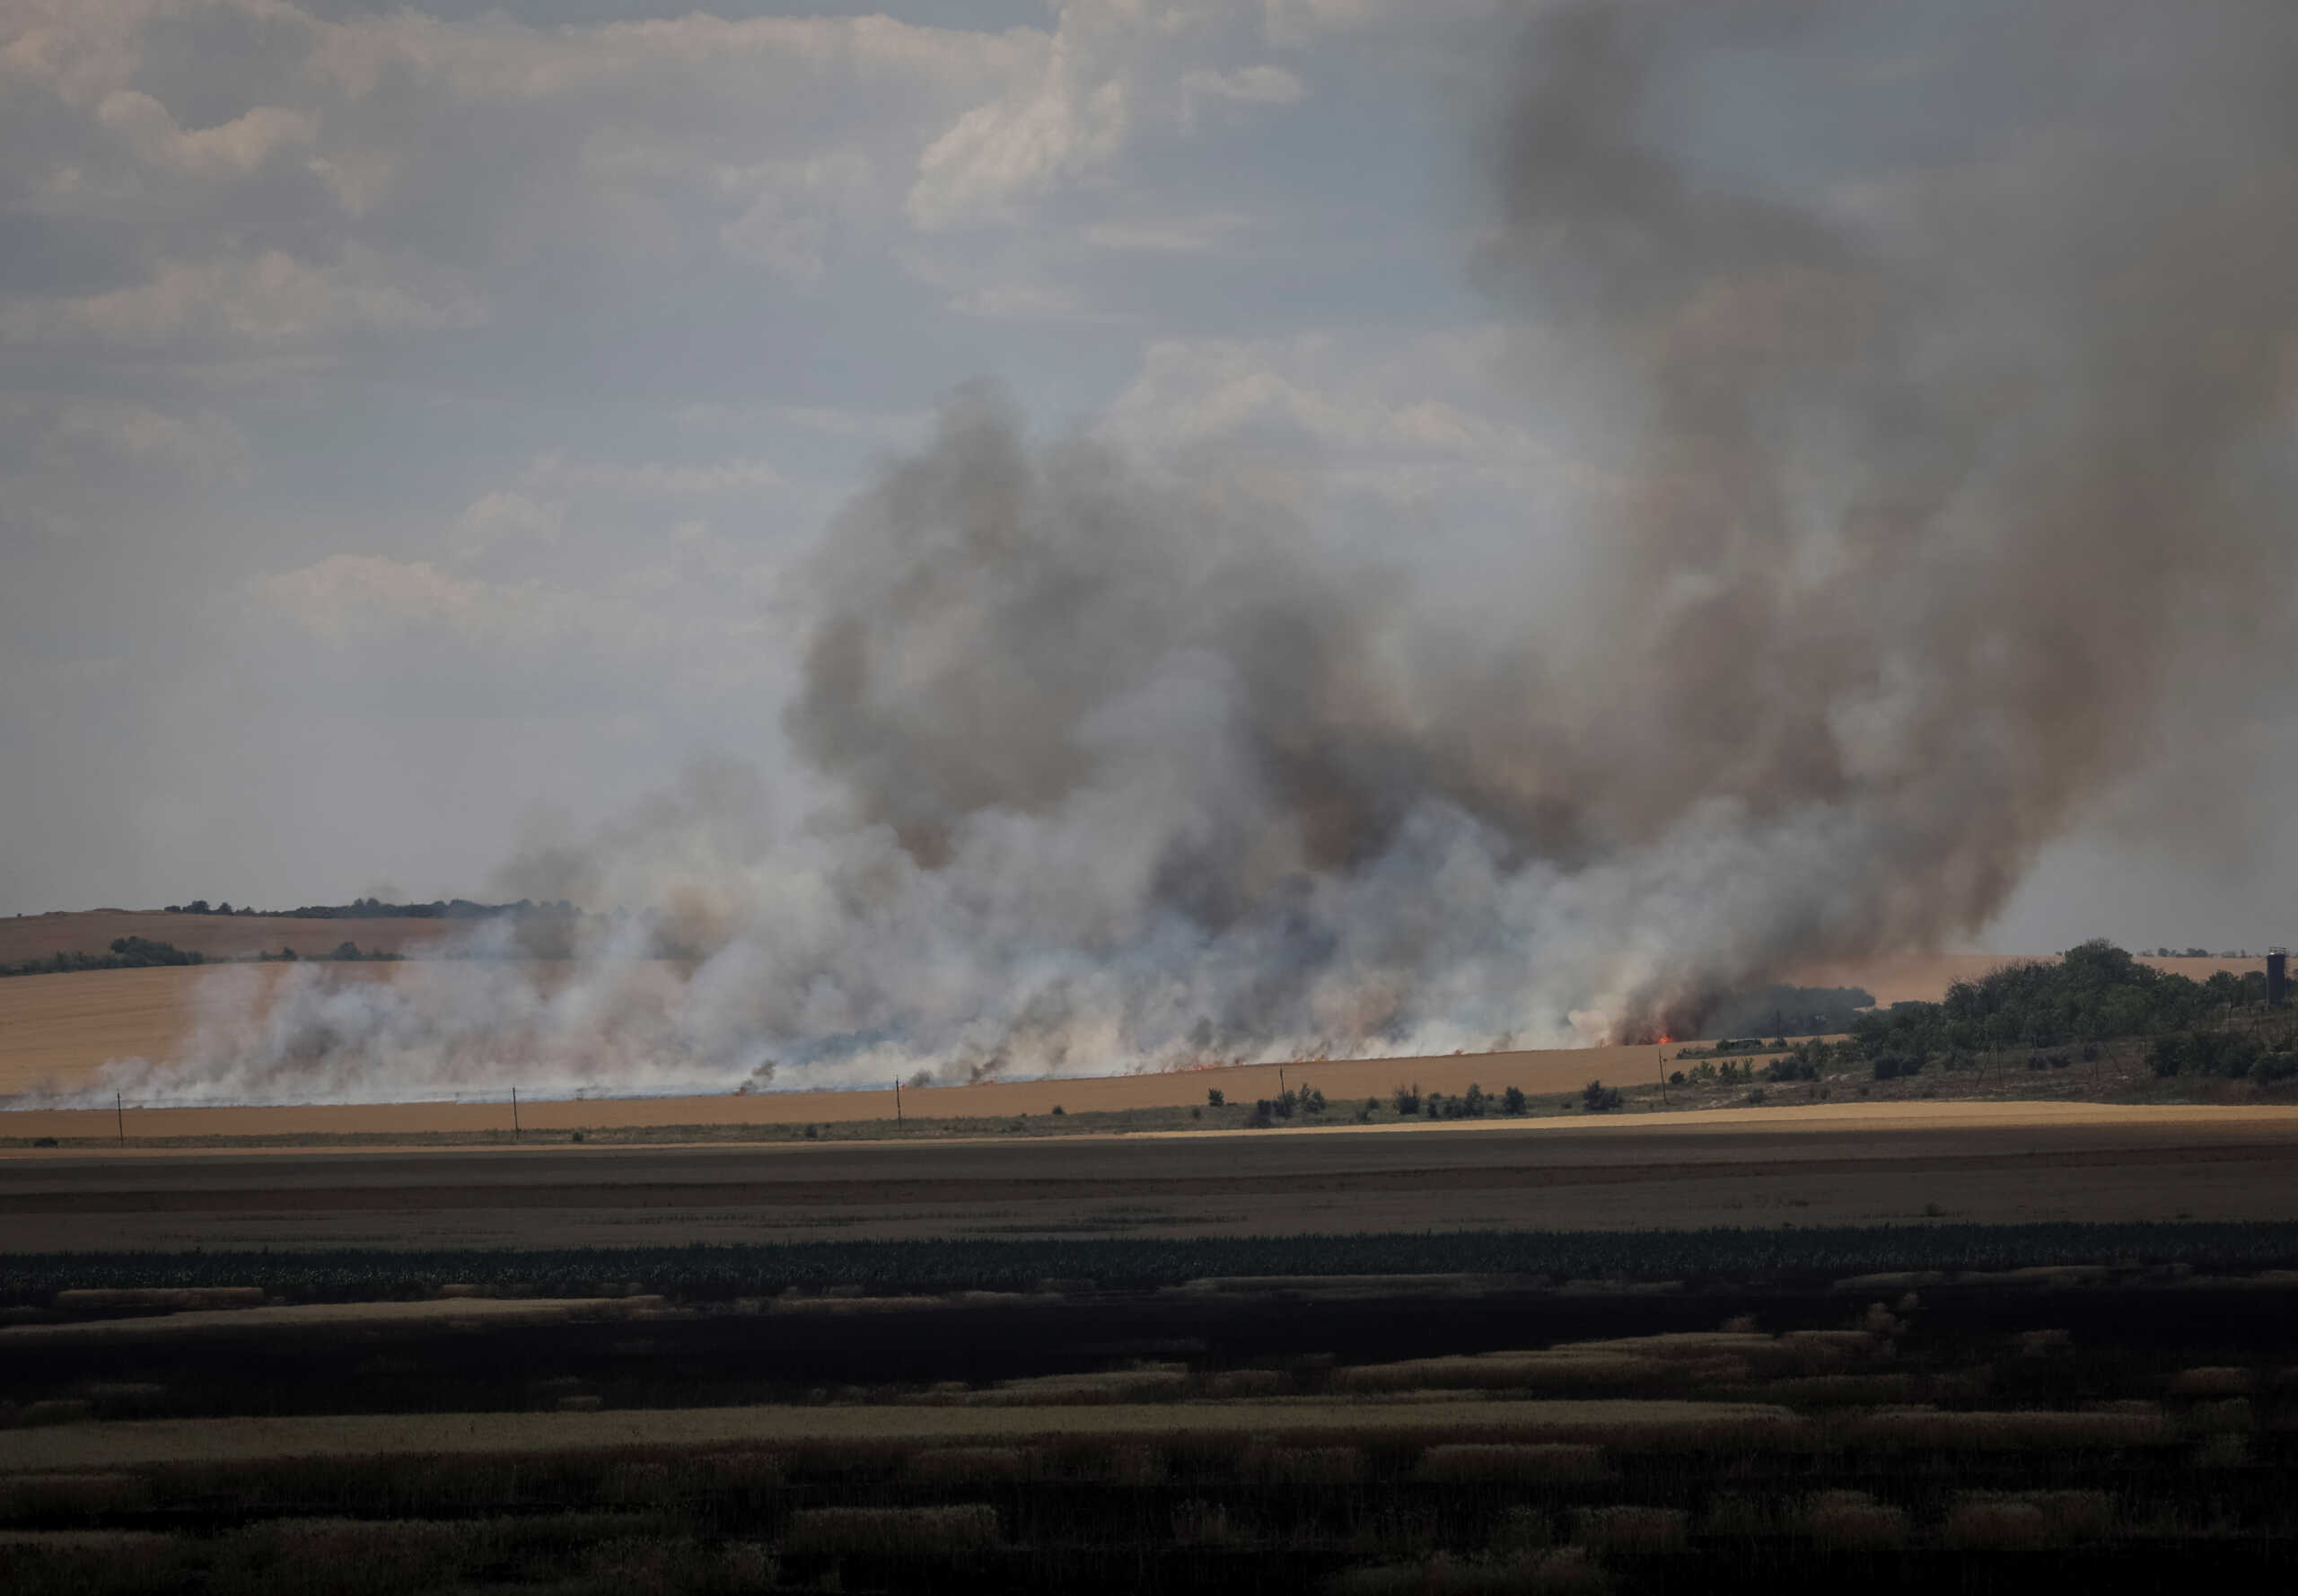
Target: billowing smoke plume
{"x": 1925, "y": 495}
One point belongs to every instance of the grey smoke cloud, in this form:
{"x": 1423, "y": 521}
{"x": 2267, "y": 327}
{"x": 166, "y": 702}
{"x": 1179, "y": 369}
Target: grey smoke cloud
{"x": 1933, "y": 499}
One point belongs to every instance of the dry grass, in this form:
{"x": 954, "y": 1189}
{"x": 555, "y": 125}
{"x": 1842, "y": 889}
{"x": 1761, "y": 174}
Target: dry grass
{"x": 91, "y": 1300}
{"x": 1852, "y": 1521}
{"x": 87, "y": 1563}
{"x": 1940, "y": 1429}
{"x": 1248, "y": 1382}
{"x": 954, "y": 1530}
{"x": 60, "y": 1028}
{"x": 55, "y": 1410}
{"x": 1994, "y": 1524}
{"x": 1526, "y": 1462}
{"x": 1206, "y": 1523}
{"x": 1566, "y": 1572}
{"x": 1631, "y": 1531}
{"x": 2229, "y": 1416}
{"x": 2213, "y": 1383}
{"x": 1645, "y": 1363}
{"x": 1554, "y": 1371}
{"x": 43, "y": 1496}
{"x": 347, "y": 1557}
{"x": 974, "y": 1465}
{"x": 1840, "y": 1390}
{"x": 1071, "y": 1390}
{"x": 382, "y": 1437}
{"x": 334, "y": 1318}
{"x": 1303, "y": 1465}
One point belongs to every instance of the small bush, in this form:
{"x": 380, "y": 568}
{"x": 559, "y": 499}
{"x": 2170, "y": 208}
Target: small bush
{"x": 1512, "y": 1102}
{"x": 1596, "y": 1098}
{"x": 1407, "y": 1098}
{"x": 1215, "y": 1098}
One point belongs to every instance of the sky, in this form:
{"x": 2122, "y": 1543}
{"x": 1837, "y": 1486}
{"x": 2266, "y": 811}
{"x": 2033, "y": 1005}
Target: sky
{"x": 413, "y": 419}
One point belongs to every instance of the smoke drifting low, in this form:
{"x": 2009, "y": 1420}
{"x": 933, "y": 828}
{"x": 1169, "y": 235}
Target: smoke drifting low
{"x": 1930, "y": 497}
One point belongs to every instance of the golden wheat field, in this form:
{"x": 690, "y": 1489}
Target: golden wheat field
{"x": 56, "y": 1031}
{"x": 25, "y": 937}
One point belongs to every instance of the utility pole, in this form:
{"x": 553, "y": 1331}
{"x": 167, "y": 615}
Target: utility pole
{"x": 897, "y": 1099}
{"x": 514, "y": 1113}
{"x": 119, "y": 1114}
{"x": 1660, "y": 1056}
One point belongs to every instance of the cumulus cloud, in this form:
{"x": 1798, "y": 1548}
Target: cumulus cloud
{"x": 200, "y": 441}
{"x": 1111, "y": 73}
{"x": 404, "y": 173}
{"x": 1403, "y": 419}
{"x": 232, "y": 148}
{"x": 267, "y": 299}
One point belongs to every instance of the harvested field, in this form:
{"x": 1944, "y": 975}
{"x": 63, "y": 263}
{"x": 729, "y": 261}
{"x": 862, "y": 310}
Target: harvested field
{"x": 26, "y": 937}
{"x": 58, "y": 1031}
{"x": 331, "y": 1316}
{"x": 58, "y": 1028}
{"x": 1830, "y": 1164}
{"x": 1101, "y": 1439}
{"x": 80, "y": 1448}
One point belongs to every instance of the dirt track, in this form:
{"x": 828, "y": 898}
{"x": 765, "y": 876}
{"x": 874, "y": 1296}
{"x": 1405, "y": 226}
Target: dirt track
{"x": 1817, "y": 1166}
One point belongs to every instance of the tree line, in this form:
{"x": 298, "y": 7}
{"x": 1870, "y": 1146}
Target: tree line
{"x": 2095, "y": 996}
{"x": 375, "y": 909}
{"x": 136, "y": 952}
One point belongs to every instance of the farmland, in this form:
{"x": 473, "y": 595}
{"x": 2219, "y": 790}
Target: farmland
{"x": 1352, "y": 1326}
{"x": 1824, "y": 1164}
{"x": 27, "y": 937}
{"x": 1721, "y": 1409}
{"x": 56, "y": 1031}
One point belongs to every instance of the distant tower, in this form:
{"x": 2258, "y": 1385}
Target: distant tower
{"x": 2277, "y": 977}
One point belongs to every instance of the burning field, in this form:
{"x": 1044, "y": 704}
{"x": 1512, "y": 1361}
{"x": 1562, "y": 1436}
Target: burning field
{"x": 1911, "y": 519}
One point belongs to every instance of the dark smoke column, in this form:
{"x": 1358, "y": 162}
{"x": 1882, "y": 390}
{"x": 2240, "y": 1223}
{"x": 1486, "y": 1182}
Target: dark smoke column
{"x": 1941, "y": 482}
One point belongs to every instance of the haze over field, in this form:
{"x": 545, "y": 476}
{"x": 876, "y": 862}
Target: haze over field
{"x": 1865, "y": 465}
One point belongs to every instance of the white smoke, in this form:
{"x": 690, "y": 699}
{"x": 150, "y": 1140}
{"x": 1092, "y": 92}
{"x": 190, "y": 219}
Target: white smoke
{"x": 1910, "y": 548}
